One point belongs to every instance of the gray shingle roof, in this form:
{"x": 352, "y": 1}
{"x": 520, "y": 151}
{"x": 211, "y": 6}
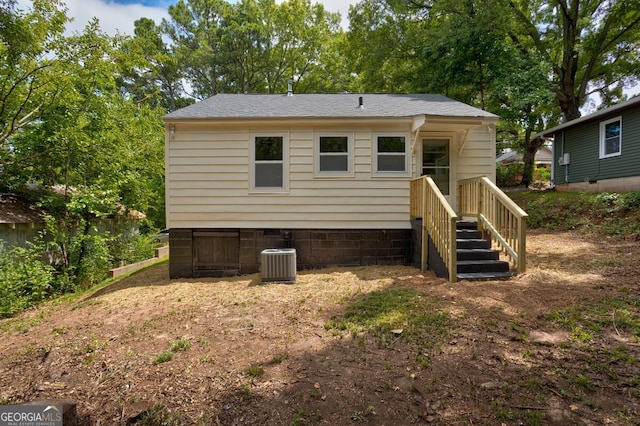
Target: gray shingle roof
{"x": 631, "y": 103}
{"x": 228, "y": 106}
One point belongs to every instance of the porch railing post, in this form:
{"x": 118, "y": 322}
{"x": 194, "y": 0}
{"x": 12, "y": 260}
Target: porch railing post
{"x": 425, "y": 230}
{"x": 453, "y": 252}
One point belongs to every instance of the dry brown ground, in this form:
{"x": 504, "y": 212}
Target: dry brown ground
{"x": 262, "y": 354}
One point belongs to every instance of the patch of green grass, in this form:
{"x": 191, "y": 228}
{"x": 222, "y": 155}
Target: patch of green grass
{"x": 583, "y": 381}
{"x": 532, "y": 418}
{"x": 278, "y": 359}
{"x": 160, "y": 416}
{"x": 606, "y": 213}
{"x": 299, "y": 419}
{"x": 180, "y": 345}
{"x": 255, "y": 371}
{"x": 246, "y": 389}
{"x": 392, "y": 314}
{"x": 58, "y": 331}
{"x": 500, "y": 412}
{"x": 163, "y": 357}
{"x": 588, "y": 320}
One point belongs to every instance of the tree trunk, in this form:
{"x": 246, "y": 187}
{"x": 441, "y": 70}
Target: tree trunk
{"x": 531, "y": 147}
{"x": 566, "y": 72}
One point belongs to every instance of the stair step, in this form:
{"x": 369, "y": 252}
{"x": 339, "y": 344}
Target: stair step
{"x": 483, "y": 266}
{"x": 466, "y": 234}
{"x": 478, "y": 276}
{"x": 478, "y": 254}
{"x": 466, "y": 224}
{"x": 472, "y": 243}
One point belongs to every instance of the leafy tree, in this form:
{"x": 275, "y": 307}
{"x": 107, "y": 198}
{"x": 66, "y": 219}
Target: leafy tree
{"x": 28, "y": 73}
{"x": 195, "y": 29}
{"x": 591, "y": 45}
{"x": 253, "y": 46}
{"x": 150, "y": 69}
{"x": 299, "y": 32}
{"x": 384, "y": 44}
{"x": 91, "y": 135}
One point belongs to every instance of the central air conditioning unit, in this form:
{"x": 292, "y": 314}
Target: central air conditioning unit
{"x": 279, "y": 265}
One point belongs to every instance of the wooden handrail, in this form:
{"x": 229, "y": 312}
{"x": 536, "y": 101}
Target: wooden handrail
{"x": 496, "y": 214}
{"x": 438, "y": 221}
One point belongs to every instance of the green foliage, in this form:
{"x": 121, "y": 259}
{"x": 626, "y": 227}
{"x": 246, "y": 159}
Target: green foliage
{"x": 163, "y": 357}
{"x": 27, "y": 72}
{"x": 614, "y": 314}
{"x": 542, "y": 174}
{"x": 253, "y": 46}
{"x": 507, "y": 174}
{"x": 180, "y": 345}
{"x": 131, "y": 247}
{"x": 159, "y": 415}
{"x": 90, "y": 259}
{"x": 255, "y": 371}
{"x": 25, "y": 280}
{"x": 607, "y": 213}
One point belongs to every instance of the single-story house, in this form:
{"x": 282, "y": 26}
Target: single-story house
{"x": 326, "y": 174}
{"x": 598, "y": 152}
{"x": 543, "y": 158}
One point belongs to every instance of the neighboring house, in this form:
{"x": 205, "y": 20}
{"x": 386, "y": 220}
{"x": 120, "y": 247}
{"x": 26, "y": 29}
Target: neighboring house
{"x": 20, "y": 221}
{"x": 326, "y": 174}
{"x": 544, "y": 157}
{"x": 598, "y": 152}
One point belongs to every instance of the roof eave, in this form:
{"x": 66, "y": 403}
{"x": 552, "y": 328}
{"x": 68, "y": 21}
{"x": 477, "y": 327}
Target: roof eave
{"x": 270, "y": 119}
{"x": 591, "y": 117}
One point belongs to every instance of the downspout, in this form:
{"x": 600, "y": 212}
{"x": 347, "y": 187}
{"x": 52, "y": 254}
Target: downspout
{"x": 566, "y": 166}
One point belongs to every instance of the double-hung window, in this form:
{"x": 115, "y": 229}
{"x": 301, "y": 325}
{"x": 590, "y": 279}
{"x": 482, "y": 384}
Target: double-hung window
{"x": 611, "y": 137}
{"x": 268, "y": 154}
{"x": 334, "y": 155}
{"x": 391, "y": 154}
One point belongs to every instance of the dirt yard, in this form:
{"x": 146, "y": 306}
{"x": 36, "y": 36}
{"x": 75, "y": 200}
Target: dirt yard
{"x": 558, "y": 345}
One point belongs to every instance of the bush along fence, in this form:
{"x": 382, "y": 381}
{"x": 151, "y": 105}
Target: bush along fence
{"x": 62, "y": 258}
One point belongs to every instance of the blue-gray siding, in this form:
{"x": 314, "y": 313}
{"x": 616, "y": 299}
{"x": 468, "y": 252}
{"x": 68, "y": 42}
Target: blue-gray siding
{"x": 582, "y": 142}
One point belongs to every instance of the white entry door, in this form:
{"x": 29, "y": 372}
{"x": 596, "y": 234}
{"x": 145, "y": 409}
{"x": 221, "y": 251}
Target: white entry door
{"x": 436, "y": 162}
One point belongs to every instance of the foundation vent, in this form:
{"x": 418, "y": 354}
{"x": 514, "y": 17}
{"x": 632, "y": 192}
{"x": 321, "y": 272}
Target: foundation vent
{"x": 279, "y": 265}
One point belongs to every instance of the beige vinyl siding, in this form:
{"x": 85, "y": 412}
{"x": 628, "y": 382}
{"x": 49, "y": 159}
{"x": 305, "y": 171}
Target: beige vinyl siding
{"x": 208, "y": 183}
{"x": 478, "y": 154}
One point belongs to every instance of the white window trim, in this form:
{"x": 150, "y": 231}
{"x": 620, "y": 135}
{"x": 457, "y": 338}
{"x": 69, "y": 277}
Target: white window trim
{"x": 374, "y": 150}
{"x": 285, "y": 165}
{"x": 350, "y": 155}
{"x": 603, "y": 125}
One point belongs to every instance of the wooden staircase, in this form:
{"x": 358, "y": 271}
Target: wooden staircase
{"x": 476, "y": 260}
{"x": 462, "y": 250}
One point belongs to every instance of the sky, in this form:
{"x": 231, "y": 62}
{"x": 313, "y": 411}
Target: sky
{"x": 119, "y": 15}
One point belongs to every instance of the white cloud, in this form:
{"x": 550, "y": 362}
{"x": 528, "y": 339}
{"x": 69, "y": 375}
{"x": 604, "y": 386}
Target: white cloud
{"x": 120, "y": 18}
{"x": 113, "y": 17}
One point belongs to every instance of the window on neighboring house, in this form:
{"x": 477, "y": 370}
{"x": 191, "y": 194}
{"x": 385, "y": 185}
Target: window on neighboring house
{"x": 611, "y": 137}
{"x": 391, "y": 154}
{"x": 334, "y": 154}
{"x": 268, "y": 153}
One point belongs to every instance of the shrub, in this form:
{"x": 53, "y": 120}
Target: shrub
{"x": 24, "y": 279}
{"x": 542, "y": 174}
{"x": 90, "y": 259}
{"x": 132, "y": 247}
{"x": 507, "y": 175}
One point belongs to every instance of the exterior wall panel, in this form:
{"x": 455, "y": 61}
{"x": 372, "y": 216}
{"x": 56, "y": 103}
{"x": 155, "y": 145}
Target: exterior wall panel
{"x": 586, "y": 168}
{"x": 208, "y": 175}
{"x": 314, "y": 248}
